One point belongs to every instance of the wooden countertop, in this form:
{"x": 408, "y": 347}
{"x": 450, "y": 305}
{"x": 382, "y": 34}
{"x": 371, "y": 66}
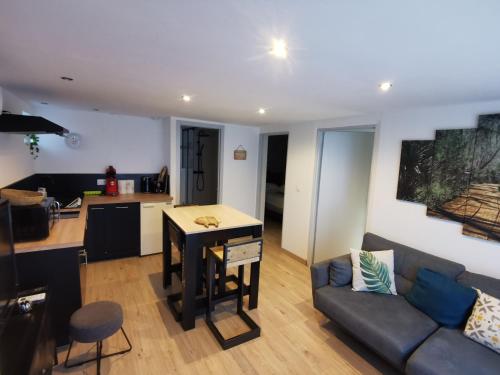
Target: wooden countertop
{"x": 229, "y": 217}
{"x": 70, "y": 232}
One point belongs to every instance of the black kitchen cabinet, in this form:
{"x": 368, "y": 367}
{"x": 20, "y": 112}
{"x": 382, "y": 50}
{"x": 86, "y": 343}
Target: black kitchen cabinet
{"x": 59, "y": 270}
{"x": 95, "y": 234}
{"x": 28, "y": 347}
{"x": 113, "y": 231}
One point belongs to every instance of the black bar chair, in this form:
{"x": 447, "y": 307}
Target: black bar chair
{"x": 232, "y": 255}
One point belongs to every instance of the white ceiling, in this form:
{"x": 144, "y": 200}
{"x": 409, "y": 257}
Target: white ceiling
{"x": 139, "y": 57}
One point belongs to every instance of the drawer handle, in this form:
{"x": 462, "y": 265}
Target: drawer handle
{"x": 147, "y": 206}
{"x": 121, "y": 207}
{"x": 97, "y": 208}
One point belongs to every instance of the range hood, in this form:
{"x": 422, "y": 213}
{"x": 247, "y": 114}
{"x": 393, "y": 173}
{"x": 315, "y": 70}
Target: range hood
{"x": 10, "y": 123}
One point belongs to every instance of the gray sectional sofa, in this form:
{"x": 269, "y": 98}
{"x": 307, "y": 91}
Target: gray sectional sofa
{"x": 404, "y": 336}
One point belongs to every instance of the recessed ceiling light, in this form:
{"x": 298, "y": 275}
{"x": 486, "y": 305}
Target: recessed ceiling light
{"x": 44, "y": 103}
{"x": 385, "y": 86}
{"x": 279, "y": 49}
{"x": 64, "y": 78}
{"x": 261, "y": 111}
{"x": 186, "y": 98}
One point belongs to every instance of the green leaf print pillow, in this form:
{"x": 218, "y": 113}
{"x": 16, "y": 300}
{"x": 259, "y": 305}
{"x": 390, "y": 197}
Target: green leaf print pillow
{"x": 373, "y": 271}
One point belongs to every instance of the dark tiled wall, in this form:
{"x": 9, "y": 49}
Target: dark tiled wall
{"x": 67, "y": 186}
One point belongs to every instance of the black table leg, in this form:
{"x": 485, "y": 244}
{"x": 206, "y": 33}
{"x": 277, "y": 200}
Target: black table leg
{"x": 167, "y": 254}
{"x": 254, "y": 285}
{"x": 255, "y": 274}
{"x": 190, "y": 281}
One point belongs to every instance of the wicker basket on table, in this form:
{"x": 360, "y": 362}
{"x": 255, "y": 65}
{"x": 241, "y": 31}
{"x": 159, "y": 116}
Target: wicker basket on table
{"x": 22, "y": 197}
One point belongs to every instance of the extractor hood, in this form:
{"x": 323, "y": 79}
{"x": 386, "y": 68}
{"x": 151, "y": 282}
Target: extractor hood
{"x": 10, "y": 123}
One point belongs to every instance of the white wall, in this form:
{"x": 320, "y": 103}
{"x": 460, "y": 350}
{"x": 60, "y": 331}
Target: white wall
{"x": 16, "y": 162}
{"x": 131, "y": 144}
{"x": 300, "y": 187}
{"x": 400, "y": 221}
{"x": 407, "y": 222}
{"x": 238, "y": 186}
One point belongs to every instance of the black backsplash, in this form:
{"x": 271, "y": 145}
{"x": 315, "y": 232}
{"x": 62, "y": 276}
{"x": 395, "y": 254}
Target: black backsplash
{"x": 67, "y": 186}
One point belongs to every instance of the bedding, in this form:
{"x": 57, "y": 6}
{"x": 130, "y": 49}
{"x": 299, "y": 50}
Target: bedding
{"x": 274, "y": 198}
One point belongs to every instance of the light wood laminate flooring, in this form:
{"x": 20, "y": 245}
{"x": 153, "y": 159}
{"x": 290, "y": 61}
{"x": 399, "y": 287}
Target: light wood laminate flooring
{"x": 295, "y": 339}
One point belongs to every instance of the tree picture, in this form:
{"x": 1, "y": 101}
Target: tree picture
{"x": 457, "y": 176}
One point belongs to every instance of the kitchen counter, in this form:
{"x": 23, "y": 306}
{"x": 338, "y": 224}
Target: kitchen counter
{"x": 68, "y": 233}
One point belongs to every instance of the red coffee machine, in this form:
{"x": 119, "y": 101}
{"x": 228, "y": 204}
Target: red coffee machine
{"x": 111, "y": 183}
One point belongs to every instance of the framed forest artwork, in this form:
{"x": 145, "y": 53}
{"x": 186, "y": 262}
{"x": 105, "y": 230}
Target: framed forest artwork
{"x": 457, "y": 176}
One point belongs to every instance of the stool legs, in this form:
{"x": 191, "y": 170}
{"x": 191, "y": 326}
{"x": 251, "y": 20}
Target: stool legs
{"x": 254, "y": 329}
{"x": 99, "y": 356}
{"x": 241, "y": 285}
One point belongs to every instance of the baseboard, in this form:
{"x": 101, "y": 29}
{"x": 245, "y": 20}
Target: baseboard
{"x": 296, "y": 257}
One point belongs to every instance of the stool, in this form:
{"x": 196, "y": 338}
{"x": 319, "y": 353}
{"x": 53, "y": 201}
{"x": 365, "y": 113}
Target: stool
{"x": 93, "y": 323}
{"x": 232, "y": 255}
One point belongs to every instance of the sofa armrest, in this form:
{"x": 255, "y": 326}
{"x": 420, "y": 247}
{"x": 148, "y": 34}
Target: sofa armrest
{"x": 320, "y": 274}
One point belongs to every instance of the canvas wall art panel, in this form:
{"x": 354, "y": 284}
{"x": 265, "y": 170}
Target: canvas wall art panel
{"x": 457, "y": 176}
{"x": 450, "y": 173}
{"x": 415, "y": 171}
{"x": 483, "y": 202}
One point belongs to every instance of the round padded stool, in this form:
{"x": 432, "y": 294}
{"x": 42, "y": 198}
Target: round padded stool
{"x": 94, "y": 323}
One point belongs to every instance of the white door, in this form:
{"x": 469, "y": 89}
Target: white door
{"x": 152, "y": 227}
{"x": 343, "y": 192}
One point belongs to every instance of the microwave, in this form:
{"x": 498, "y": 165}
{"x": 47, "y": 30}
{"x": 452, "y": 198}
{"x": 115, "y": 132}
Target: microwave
{"x": 34, "y": 222}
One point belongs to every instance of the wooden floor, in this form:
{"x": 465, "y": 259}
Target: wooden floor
{"x": 296, "y": 339}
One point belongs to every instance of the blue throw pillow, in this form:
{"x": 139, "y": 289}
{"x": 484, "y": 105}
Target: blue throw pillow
{"x": 443, "y": 299}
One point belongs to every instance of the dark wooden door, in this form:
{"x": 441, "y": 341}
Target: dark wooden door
{"x": 96, "y": 242}
{"x": 123, "y": 229}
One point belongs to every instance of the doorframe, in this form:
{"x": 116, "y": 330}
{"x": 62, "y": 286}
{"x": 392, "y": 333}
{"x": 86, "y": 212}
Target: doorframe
{"x": 178, "y": 136}
{"x": 262, "y": 174}
{"x": 374, "y": 128}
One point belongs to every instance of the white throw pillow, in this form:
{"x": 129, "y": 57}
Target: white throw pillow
{"x": 373, "y": 271}
{"x": 483, "y": 325}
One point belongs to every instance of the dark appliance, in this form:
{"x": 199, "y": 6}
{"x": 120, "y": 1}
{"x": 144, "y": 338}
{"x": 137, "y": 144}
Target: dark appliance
{"x": 24, "y": 124}
{"x": 34, "y": 222}
{"x": 146, "y": 184}
{"x": 111, "y": 182}
{"x": 8, "y": 274}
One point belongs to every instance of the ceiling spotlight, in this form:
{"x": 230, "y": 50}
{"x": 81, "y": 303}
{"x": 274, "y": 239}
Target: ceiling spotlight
{"x": 186, "y": 98}
{"x": 64, "y": 78}
{"x": 385, "y": 86}
{"x": 261, "y": 111}
{"x": 279, "y": 49}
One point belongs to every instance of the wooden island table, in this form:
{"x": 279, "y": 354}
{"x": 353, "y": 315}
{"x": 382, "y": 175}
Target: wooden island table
{"x": 179, "y": 227}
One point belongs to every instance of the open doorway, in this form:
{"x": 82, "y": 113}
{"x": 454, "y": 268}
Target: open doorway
{"x": 199, "y": 172}
{"x": 342, "y": 200}
{"x": 274, "y": 191}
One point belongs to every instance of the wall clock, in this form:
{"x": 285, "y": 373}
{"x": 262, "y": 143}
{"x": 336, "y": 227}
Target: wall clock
{"x": 73, "y": 140}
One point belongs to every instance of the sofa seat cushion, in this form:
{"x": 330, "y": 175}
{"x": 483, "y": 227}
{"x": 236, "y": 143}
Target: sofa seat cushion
{"x": 388, "y": 324}
{"x": 448, "y": 351}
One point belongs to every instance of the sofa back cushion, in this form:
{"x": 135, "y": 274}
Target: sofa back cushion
{"x": 407, "y": 261}
{"x": 443, "y": 299}
{"x": 488, "y": 285}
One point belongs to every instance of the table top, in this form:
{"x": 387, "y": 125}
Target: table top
{"x": 228, "y": 217}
